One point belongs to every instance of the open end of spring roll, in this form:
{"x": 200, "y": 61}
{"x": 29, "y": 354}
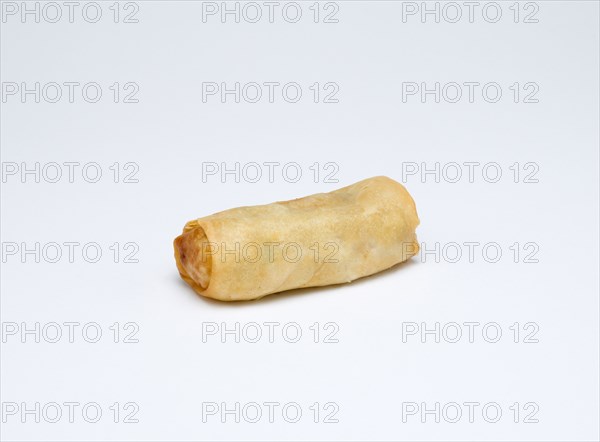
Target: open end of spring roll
{"x": 193, "y": 261}
{"x": 328, "y": 238}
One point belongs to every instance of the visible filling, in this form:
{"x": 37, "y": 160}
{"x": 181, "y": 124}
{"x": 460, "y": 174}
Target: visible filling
{"x": 193, "y": 250}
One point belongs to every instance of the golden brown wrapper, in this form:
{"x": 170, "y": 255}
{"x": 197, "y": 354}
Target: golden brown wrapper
{"x": 327, "y": 238}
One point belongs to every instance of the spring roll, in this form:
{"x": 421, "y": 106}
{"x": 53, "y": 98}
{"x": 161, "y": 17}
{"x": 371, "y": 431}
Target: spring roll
{"x": 327, "y": 238}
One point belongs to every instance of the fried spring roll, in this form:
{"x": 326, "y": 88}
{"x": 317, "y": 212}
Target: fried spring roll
{"x": 327, "y": 238}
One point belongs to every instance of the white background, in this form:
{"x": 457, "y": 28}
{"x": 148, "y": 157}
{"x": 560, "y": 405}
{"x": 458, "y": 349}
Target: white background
{"x": 170, "y": 132}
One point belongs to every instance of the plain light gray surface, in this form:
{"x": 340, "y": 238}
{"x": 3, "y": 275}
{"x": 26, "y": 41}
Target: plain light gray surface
{"x": 170, "y": 132}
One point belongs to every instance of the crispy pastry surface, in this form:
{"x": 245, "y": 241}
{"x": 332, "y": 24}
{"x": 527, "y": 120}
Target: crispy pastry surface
{"x": 327, "y": 238}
